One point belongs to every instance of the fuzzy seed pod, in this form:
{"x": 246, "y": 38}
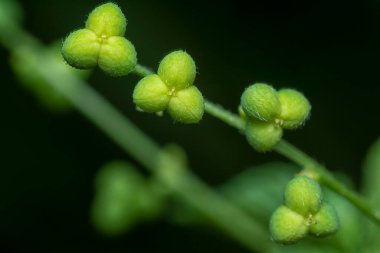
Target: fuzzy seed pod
{"x": 260, "y": 101}
{"x": 107, "y": 20}
{"x": 295, "y": 108}
{"x": 151, "y": 94}
{"x": 303, "y": 195}
{"x": 262, "y": 136}
{"x": 177, "y": 70}
{"x": 117, "y": 56}
{"x": 325, "y": 222}
{"x": 287, "y": 226}
{"x": 187, "y": 105}
{"x": 81, "y": 49}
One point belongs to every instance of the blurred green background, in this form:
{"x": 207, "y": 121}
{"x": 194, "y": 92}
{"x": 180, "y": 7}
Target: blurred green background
{"x": 329, "y": 50}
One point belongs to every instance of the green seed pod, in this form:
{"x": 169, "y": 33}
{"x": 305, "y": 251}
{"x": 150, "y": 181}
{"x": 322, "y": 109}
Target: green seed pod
{"x": 115, "y": 208}
{"x": 295, "y": 108}
{"x": 177, "y": 70}
{"x": 325, "y": 222}
{"x": 261, "y": 101}
{"x": 107, "y": 20}
{"x": 151, "y": 94}
{"x": 187, "y": 105}
{"x": 117, "y": 56}
{"x": 303, "y": 195}
{"x": 81, "y": 49}
{"x": 123, "y": 198}
{"x": 262, "y": 136}
{"x": 287, "y": 226}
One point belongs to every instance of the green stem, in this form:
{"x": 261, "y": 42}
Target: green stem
{"x": 136, "y": 143}
{"x": 211, "y": 108}
{"x": 293, "y": 153}
{"x": 226, "y": 116}
{"x": 142, "y": 71}
{"x": 242, "y": 229}
{"x": 325, "y": 177}
{"x": 98, "y": 110}
{"x": 199, "y": 195}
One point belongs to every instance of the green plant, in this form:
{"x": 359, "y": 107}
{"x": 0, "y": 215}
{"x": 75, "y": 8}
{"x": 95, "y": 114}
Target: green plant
{"x": 172, "y": 89}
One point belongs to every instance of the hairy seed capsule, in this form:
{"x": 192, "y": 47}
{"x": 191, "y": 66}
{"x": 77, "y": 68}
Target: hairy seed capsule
{"x": 151, "y": 94}
{"x": 81, "y": 49}
{"x": 187, "y": 105}
{"x": 325, "y": 222}
{"x": 117, "y": 56}
{"x": 287, "y": 226}
{"x": 177, "y": 70}
{"x": 262, "y": 136}
{"x": 261, "y": 101}
{"x": 107, "y": 20}
{"x": 295, "y": 108}
{"x": 303, "y": 195}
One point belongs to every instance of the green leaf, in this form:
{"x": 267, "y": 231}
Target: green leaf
{"x": 348, "y": 238}
{"x": 259, "y": 190}
{"x": 371, "y": 174}
{"x": 371, "y": 188}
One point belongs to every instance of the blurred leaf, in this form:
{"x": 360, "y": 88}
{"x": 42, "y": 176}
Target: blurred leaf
{"x": 259, "y": 189}
{"x": 371, "y": 188}
{"x": 371, "y": 174}
{"x": 349, "y": 237}
{"x": 10, "y": 11}
{"x": 307, "y": 246}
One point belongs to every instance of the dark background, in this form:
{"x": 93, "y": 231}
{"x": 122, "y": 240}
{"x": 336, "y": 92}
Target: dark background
{"x": 327, "y": 49}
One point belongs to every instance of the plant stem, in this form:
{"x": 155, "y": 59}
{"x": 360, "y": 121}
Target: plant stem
{"x": 211, "y": 108}
{"x": 294, "y": 154}
{"x": 226, "y": 116}
{"x": 325, "y": 177}
{"x": 187, "y": 187}
{"x": 239, "y": 226}
{"x": 142, "y": 71}
{"x": 143, "y": 149}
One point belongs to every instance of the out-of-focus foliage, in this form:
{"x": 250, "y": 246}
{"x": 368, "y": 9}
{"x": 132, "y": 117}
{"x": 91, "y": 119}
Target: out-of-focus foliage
{"x": 10, "y": 10}
{"x": 123, "y": 199}
{"x": 314, "y": 48}
{"x": 259, "y": 190}
{"x": 371, "y": 188}
{"x": 44, "y": 93}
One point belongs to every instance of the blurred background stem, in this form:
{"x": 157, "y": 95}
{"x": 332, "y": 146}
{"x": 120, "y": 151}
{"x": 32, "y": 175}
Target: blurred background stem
{"x": 227, "y": 217}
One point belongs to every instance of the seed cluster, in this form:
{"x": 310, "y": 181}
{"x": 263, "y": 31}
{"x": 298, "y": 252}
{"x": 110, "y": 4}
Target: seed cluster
{"x": 172, "y": 89}
{"x": 304, "y": 212}
{"x": 102, "y": 43}
{"x": 267, "y": 112}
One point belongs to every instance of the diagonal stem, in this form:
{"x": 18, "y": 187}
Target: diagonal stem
{"x": 294, "y": 154}
{"x": 238, "y": 225}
